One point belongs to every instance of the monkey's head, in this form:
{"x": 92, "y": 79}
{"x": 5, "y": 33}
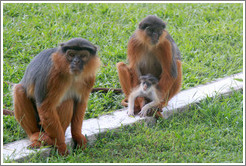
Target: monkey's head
{"x": 148, "y": 81}
{"x": 78, "y": 52}
{"x": 153, "y": 27}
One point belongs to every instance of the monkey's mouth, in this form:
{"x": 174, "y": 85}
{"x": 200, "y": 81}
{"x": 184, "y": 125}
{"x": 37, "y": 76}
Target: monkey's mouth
{"x": 154, "y": 38}
{"x": 145, "y": 87}
{"x": 75, "y": 70}
{"x": 154, "y": 41}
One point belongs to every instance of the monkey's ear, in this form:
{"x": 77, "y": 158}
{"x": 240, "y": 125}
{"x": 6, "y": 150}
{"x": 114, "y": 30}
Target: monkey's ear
{"x": 165, "y": 24}
{"x": 93, "y": 49}
{"x": 61, "y": 45}
{"x": 97, "y": 48}
{"x": 142, "y": 25}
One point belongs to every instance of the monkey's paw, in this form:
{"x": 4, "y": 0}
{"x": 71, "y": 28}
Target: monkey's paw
{"x": 80, "y": 141}
{"x": 142, "y": 113}
{"x": 62, "y": 149}
{"x": 130, "y": 113}
{"x": 124, "y": 102}
{"x": 39, "y": 139}
{"x": 35, "y": 145}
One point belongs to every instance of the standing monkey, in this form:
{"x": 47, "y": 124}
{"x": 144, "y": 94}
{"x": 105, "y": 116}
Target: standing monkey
{"x": 151, "y": 50}
{"x": 54, "y": 92}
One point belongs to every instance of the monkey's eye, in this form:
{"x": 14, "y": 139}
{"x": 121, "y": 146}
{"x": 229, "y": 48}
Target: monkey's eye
{"x": 146, "y": 26}
{"x": 84, "y": 57}
{"x": 143, "y": 26}
{"x": 148, "y": 29}
{"x": 70, "y": 55}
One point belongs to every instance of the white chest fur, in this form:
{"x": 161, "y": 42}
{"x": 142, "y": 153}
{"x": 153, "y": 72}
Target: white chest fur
{"x": 73, "y": 90}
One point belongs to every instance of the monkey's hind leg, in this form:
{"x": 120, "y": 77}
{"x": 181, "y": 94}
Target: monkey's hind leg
{"x": 175, "y": 88}
{"x": 26, "y": 115}
{"x": 128, "y": 80}
{"x": 125, "y": 81}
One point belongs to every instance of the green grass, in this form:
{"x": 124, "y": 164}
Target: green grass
{"x": 210, "y": 132}
{"x": 209, "y": 36}
{"x": 12, "y": 131}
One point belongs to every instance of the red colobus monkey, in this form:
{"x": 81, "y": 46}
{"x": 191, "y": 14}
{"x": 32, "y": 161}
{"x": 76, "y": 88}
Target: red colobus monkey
{"x": 151, "y": 50}
{"x": 54, "y": 92}
{"x": 147, "y": 89}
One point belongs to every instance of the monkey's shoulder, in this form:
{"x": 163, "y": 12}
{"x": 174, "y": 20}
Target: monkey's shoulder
{"x": 168, "y": 36}
{"x": 37, "y": 72}
{"x": 43, "y": 55}
{"x": 175, "y": 49}
{"x": 134, "y": 40}
{"x": 133, "y": 36}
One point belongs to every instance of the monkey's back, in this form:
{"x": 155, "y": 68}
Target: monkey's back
{"x": 37, "y": 72}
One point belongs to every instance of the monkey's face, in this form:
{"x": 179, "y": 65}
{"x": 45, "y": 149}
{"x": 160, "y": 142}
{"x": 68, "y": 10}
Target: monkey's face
{"x": 153, "y": 33}
{"x": 77, "y": 59}
{"x": 147, "y": 81}
{"x": 146, "y": 85}
{"x": 153, "y": 28}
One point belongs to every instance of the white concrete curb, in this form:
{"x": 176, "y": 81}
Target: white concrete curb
{"x": 198, "y": 93}
{"x": 92, "y": 127}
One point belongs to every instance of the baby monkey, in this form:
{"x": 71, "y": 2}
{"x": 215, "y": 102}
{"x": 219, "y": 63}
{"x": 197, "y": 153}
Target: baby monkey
{"x": 148, "y": 89}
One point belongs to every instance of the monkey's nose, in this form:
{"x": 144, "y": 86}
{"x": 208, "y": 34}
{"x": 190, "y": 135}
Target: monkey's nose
{"x": 155, "y": 35}
{"x": 144, "y": 87}
{"x": 76, "y": 61}
{"x": 155, "y": 38}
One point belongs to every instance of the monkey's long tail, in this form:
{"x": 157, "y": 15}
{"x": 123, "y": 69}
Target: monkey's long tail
{"x": 105, "y": 90}
{"x": 8, "y": 112}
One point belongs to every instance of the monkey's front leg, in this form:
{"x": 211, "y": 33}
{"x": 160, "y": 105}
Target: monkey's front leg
{"x": 76, "y": 124}
{"x": 50, "y": 122}
{"x": 145, "y": 109}
{"x": 131, "y": 103}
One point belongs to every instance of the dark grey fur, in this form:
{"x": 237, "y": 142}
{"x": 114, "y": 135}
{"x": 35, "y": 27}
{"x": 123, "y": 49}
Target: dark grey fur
{"x": 149, "y": 79}
{"x": 175, "y": 55}
{"x": 38, "y": 70}
{"x": 176, "y": 51}
{"x": 37, "y": 73}
{"x": 79, "y": 44}
{"x": 153, "y": 21}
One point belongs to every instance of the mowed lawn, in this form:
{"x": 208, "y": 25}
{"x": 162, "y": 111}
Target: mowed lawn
{"x": 210, "y": 38}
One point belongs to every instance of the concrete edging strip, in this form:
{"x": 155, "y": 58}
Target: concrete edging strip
{"x": 92, "y": 127}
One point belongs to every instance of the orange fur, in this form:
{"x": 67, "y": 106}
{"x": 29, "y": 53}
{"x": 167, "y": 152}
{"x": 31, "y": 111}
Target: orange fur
{"x": 26, "y": 117}
{"x": 59, "y": 107}
{"x": 81, "y": 85}
{"x": 139, "y": 48}
{"x": 30, "y": 90}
